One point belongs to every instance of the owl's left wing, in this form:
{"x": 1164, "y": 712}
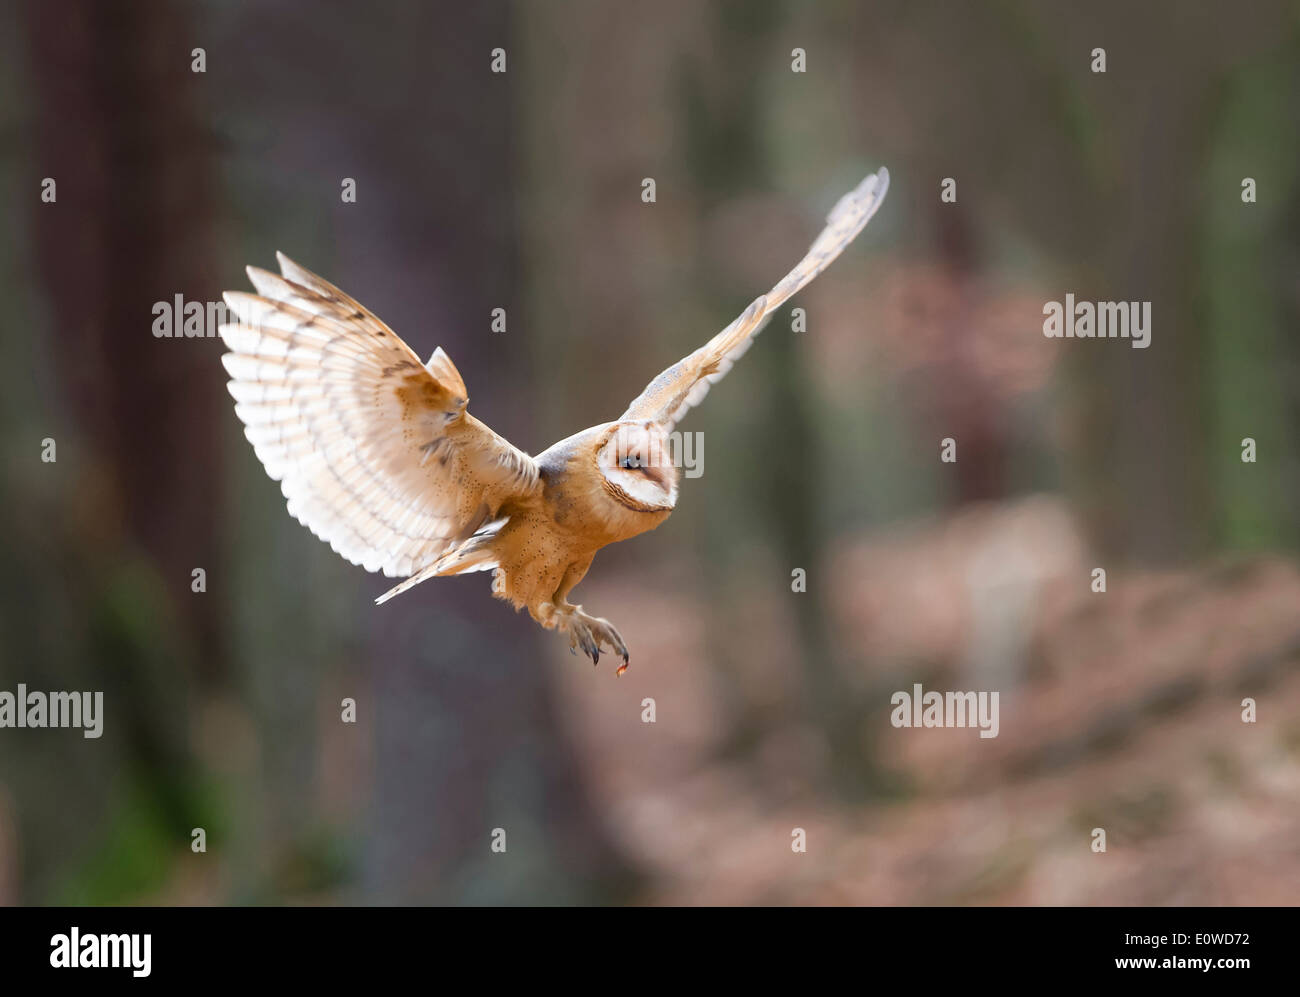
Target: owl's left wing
{"x": 682, "y": 386}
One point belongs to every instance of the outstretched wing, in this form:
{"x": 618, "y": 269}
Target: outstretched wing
{"x": 683, "y": 385}
{"x": 374, "y": 451}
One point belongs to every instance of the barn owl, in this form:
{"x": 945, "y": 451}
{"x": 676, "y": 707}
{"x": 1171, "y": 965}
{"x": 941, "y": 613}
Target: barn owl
{"x": 377, "y": 454}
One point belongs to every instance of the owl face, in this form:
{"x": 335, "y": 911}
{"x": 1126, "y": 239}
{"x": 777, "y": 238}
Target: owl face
{"x": 636, "y": 465}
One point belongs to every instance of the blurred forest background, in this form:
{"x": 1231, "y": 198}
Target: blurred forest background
{"x": 522, "y": 191}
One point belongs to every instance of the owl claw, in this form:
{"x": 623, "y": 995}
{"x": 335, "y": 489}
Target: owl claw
{"x": 591, "y": 634}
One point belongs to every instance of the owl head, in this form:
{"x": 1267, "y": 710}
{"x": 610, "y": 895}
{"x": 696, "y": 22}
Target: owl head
{"x": 636, "y": 466}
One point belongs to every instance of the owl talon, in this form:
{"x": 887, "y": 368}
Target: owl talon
{"x": 592, "y": 634}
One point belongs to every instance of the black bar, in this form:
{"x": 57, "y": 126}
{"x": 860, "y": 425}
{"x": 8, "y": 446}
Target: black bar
{"x": 308, "y": 946}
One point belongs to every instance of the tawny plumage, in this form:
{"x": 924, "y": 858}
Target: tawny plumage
{"x": 378, "y": 455}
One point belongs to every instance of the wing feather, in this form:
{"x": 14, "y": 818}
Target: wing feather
{"x": 375, "y": 452}
{"x": 682, "y": 386}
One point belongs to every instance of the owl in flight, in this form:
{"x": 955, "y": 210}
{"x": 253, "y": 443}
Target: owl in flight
{"x": 378, "y": 455}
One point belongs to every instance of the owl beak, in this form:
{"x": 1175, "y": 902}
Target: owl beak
{"x": 657, "y": 474}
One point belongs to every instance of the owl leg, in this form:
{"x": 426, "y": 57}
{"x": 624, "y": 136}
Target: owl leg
{"x": 586, "y": 633}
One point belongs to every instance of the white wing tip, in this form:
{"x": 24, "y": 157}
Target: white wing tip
{"x": 871, "y": 191}
{"x": 882, "y": 175}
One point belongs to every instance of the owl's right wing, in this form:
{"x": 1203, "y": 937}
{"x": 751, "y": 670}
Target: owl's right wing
{"x": 374, "y": 451}
{"x": 682, "y": 386}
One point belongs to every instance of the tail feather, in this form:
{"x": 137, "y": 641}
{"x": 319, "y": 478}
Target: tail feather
{"x": 475, "y": 554}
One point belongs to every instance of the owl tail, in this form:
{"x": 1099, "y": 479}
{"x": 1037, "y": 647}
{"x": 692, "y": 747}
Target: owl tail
{"x": 475, "y": 554}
